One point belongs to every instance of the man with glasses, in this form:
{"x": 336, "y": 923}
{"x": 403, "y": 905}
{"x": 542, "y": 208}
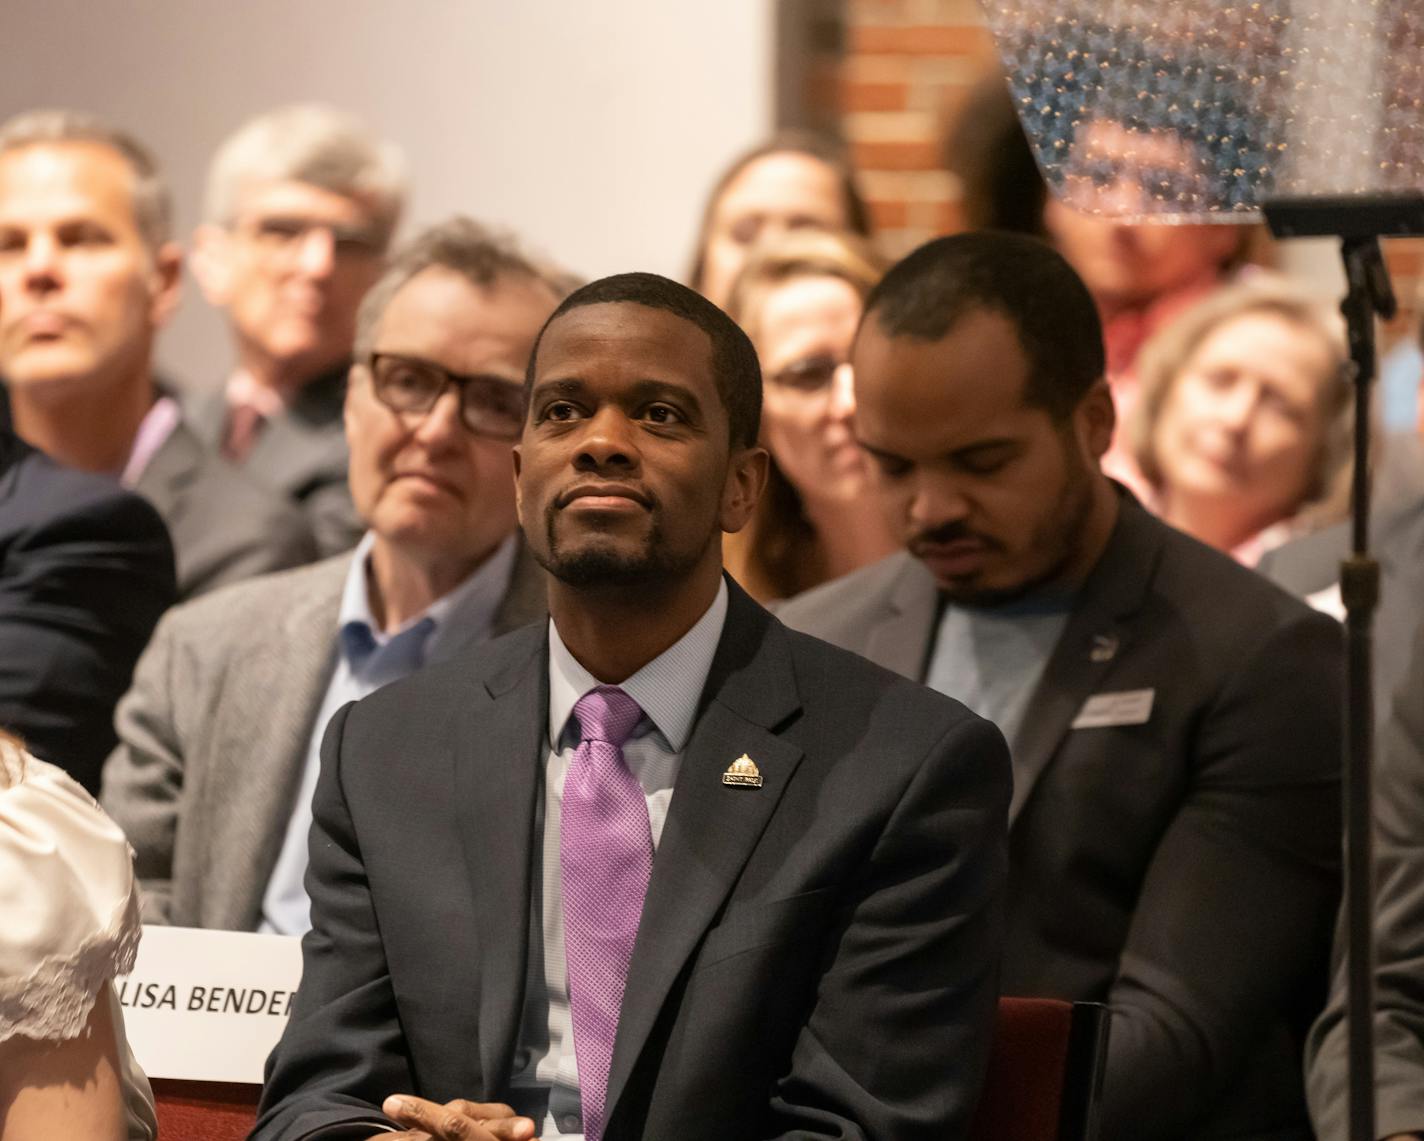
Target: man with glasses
{"x": 219, "y": 735}
{"x": 301, "y": 205}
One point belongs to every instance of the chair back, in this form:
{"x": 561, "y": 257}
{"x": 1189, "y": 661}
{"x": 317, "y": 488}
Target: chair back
{"x": 204, "y": 1111}
{"x": 1045, "y": 1077}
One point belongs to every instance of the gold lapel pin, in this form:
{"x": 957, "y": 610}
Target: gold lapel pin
{"x": 1104, "y": 648}
{"x": 742, "y": 773}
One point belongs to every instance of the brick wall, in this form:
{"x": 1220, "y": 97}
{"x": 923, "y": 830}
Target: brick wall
{"x": 906, "y": 64}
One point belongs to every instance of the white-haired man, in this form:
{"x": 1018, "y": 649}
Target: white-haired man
{"x": 300, "y": 208}
{"x": 88, "y": 276}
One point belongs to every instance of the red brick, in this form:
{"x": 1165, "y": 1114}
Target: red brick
{"x": 906, "y": 154}
{"x": 889, "y": 215}
{"x": 862, "y": 96}
{"x": 921, "y": 40}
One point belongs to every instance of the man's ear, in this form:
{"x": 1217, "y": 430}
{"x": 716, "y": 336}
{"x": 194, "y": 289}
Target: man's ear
{"x": 168, "y": 278}
{"x": 1095, "y": 419}
{"x": 746, "y": 478}
{"x": 211, "y": 263}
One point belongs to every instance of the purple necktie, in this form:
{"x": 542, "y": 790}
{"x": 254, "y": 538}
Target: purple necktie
{"x": 606, "y": 855}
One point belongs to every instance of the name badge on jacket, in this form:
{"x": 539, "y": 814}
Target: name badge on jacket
{"x": 1104, "y": 710}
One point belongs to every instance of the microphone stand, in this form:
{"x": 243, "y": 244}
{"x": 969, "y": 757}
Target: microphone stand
{"x": 1358, "y": 222}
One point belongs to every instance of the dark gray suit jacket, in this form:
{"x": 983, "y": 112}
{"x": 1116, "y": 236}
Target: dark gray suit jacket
{"x": 1399, "y": 931}
{"x": 301, "y": 454}
{"x": 213, "y": 736}
{"x": 1312, "y": 563}
{"x": 816, "y": 957}
{"x": 225, "y": 527}
{"x": 1183, "y": 870}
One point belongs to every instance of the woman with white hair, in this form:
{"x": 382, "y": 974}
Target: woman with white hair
{"x": 1242, "y": 429}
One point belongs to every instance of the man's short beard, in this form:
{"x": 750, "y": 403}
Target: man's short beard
{"x": 597, "y": 566}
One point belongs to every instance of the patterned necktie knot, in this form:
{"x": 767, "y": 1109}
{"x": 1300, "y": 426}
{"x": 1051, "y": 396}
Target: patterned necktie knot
{"x": 606, "y": 713}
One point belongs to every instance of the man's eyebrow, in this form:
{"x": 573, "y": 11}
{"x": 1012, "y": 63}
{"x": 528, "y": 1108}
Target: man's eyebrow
{"x": 653, "y": 389}
{"x": 566, "y": 387}
{"x": 881, "y": 453}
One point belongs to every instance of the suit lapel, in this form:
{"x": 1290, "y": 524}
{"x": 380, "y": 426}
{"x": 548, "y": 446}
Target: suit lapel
{"x": 1096, "y": 634}
{"x": 269, "y": 722}
{"x": 901, "y": 639}
{"x": 165, "y": 478}
{"x": 711, "y": 828}
{"x": 526, "y": 598}
{"x": 501, "y": 744}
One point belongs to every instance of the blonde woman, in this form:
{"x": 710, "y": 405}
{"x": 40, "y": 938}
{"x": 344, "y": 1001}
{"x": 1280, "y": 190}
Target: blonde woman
{"x": 1242, "y": 429}
{"x": 68, "y": 925}
{"x": 800, "y": 299}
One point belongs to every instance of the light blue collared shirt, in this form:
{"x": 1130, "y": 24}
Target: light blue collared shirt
{"x": 668, "y": 690}
{"x": 368, "y": 658}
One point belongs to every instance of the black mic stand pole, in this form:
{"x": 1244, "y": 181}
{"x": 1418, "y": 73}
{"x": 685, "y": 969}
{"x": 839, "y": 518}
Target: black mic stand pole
{"x": 1359, "y": 223}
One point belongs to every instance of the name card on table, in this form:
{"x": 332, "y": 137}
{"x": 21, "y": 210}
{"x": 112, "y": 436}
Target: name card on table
{"x": 208, "y": 1005}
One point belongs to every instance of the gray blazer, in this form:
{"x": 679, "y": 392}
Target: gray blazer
{"x": 301, "y": 454}
{"x": 213, "y": 736}
{"x": 225, "y": 527}
{"x": 1184, "y": 869}
{"x": 1399, "y": 933}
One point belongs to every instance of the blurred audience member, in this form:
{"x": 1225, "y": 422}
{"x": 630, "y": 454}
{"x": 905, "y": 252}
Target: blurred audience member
{"x": 791, "y": 182}
{"x": 220, "y": 733}
{"x": 88, "y": 275}
{"x": 1174, "y": 828}
{"x": 1141, "y": 275}
{"x": 799, "y": 299}
{"x": 1399, "y": 952}
{"x": 1310, "y": 567}
{"x": 68, "y": 925}
{"x": 301, "y": 205}
{"x": 1242, "y": 427}
{"x": 86, "y": 569}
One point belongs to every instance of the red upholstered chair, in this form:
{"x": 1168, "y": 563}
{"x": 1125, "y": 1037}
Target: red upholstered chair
{"x": 204, "y": 1111}
{"x": 1045, "y": 1074}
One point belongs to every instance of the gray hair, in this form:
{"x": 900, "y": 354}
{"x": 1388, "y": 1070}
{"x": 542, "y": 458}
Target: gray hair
{"x": 152, "y": 202}
{"x": 312, "y": 143}
{"x": 482, "y": 256}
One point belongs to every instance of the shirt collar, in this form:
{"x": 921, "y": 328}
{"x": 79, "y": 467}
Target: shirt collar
{"x": 667, "y": 688}
{"x": 454, "y": 620}
{"x": 153, "y": 432}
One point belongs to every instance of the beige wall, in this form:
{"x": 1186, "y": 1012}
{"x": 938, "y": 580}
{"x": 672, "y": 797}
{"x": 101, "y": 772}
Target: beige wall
{"x": 593, "y": 129}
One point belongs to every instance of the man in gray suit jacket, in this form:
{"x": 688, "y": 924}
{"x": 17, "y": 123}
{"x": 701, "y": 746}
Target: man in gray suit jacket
{"x": 217, "y": 758}
{"x": 1399, "y": 935}
{"x": 1173, "y": 719}
{"x": 657, "y": 868}
{"x": 89, "y": 277}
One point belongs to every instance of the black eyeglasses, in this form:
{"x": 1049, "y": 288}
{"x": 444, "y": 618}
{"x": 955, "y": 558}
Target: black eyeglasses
{"x": 809, "y": 374}
{"x": 489, "y": 405}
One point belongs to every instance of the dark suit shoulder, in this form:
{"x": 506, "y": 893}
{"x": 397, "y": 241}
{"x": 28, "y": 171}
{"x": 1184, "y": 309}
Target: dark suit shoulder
{"x": 49, "y": 502}
{"x": 1219, "y": 598}
{"x": 832, "y": 608}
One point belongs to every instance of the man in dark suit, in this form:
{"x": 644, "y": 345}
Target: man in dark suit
{"x": 85, "y": 571}
{"x": 659, "y": 867}
{"x": 1173, "y": 719}
{"x": 1399, "y": 948}
{"x": 301, "y": 204}
{"x": 88, "y": 276}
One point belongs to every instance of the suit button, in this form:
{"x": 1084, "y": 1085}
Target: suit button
{"x": 570, "y": 1123}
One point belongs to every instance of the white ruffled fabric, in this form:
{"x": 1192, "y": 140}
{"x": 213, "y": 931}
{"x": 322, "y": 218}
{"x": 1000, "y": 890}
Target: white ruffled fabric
{"x": 69, "y": 912}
